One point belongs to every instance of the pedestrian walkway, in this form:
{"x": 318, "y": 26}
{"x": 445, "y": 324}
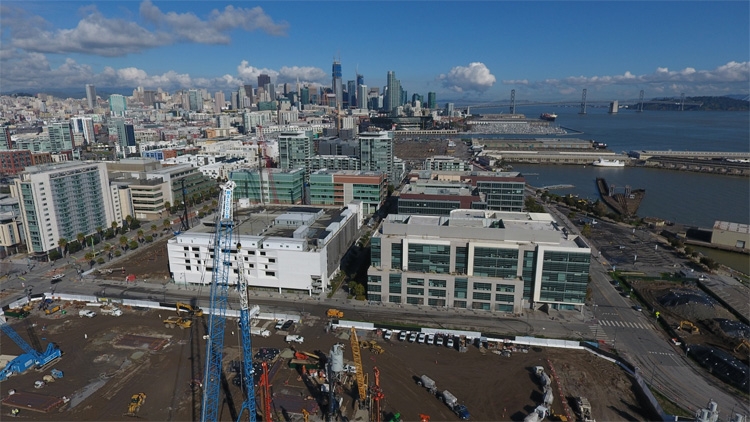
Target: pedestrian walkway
{"x": 624, "y": 324}
{"x": 598, "y": 333}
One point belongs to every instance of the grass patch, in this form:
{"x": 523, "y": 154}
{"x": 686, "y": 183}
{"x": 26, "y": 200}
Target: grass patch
{"x": 669, "y": 406}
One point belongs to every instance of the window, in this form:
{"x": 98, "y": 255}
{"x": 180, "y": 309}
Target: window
{"x": 505, "y": 288}
{"x": 482, "y": 296}
{"x": 271, "y": 260}
{"x": 394, "y": 299}
{"x": 437, "y": 293}
{"x": 415, "y": 282}
{"x": 414, "y": 291}
{"x": 482, "y": 286}
{"x": 437, "y": 283}
{"x": 459, "y": 304}
{"x": 503, "y": 298}
{"x": 374, "y": 288}
{"x": 271, "y": 273}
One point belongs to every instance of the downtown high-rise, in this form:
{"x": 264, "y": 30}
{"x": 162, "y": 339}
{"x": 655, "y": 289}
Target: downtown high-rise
{"x": 393, "y": 92}
{"x": 91, "y": 96}
{"x": 336, "y": 84}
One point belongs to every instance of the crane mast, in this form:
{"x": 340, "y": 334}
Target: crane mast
{"x": 247, "y": 352}
{"x": 222, "y": 265}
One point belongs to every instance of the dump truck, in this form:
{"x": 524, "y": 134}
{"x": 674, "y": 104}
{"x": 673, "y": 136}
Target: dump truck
{"x": 452, "y": 402}
{"x": 428, "y": 383}
{"x": 19, "y": 313}
{"x": 334, "y": 313}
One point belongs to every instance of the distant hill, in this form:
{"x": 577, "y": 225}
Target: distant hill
{"x": 726, "y": 103}
{"x": 69, "y": 92}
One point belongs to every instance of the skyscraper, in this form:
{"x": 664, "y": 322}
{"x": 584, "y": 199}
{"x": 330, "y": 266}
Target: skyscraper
{"x": 431, "y": 100}
{"x": 218, "y": 101}
{"x": 91, "y": 95}
{"x": 336, "y": 85}
{"x": 263, "y": 80}
{"x": 117, "y": 105}
{"x": 351, "y": 89}
{"x": 195, "y": 100}
{"x": 362, "y": 96}
{"x": 83, "y": 127}
{"x": 393, "y": 92}
{"x": 60, "y": 136}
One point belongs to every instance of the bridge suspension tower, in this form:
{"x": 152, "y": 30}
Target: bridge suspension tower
{"x": 583, "y": 102}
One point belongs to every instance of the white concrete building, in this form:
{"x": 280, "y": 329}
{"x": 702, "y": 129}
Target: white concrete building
{"x": 297, "y": 250}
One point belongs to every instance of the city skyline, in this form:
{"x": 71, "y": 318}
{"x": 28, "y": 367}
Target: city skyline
{"x": 472, "y": 51}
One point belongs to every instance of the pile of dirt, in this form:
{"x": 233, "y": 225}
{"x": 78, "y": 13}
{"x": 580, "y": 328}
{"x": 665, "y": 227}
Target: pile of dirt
{"x": 691, "y": 304}
{"x": 722, "y": 364}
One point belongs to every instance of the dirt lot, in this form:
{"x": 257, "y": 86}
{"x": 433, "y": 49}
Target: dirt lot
{"x": 107, "y": 360}
{"x": 416, "y": 150}
{"x": 148, "y": 262}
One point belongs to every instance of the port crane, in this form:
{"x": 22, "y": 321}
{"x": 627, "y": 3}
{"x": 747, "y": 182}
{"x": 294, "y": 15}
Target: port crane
{"x": 222, "y": 265}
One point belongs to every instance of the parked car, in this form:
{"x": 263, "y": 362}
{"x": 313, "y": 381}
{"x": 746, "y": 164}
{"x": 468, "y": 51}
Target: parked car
{"x": 439, "y": 340}
{"x": 387, "y": 334}
{"x": 421, "y": 337}
{"x": 412, "y": 337}
{"x": 402, "y": 335}
{"x": 449, "y": 343}
{"x": 287, "y": 325}
{"x": 638, "y": 308}
{"x": 279, "y": 324}
{"x": 430, "y": 339}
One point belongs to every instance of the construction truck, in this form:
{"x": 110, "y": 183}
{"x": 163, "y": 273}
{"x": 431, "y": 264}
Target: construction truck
{"x": 334, "y": 313}
{"x": 537, "y": 415}
{"x": 19, "y": 313}
{"x": 452, "y": 402}
{"x": 689, "y": 326}
{"x": 181, "y": 322}
{"x": 191, "y": 311}
{"x": 583, "y": 409}
{"x": 428, "y": 383}
{"x": 52, "y": 310}
{"x": 110, "y": 310}
{"x": 136, "y": 401}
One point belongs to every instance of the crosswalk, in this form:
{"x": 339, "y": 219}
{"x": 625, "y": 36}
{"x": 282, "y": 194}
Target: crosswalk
{"x": 598, "y": 333}
{"x": 624, "y": 324}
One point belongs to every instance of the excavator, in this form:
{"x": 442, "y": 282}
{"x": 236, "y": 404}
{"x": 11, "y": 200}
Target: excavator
{"x": 743, "y": 344}
{"x": 687, "y": 325}
{"x": 191, "y": 311}
{"x": 135, "y": 403}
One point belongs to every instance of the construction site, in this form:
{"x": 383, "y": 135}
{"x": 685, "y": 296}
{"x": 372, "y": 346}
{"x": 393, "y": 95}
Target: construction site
{"x": 135, "y": 365}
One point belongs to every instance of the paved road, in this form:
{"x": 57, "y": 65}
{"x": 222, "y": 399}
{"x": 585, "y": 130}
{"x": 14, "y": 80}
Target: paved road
{"x": 635, "y": 334}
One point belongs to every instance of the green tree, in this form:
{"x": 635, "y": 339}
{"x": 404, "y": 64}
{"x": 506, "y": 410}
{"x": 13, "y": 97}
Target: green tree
{"x": 140, "y": 234}
{"x": 133, "y": 245}
{"x": 89, "y": 256}
{"x": 586, "y": 230}
{"x": 153, "y": 228}
{"x": 81, "y": 237}
{"x": 62, "y": 243}
{"x": 114, "y": 226}
{"x": 123, "y": 241}
{"x": 166, "y": 223}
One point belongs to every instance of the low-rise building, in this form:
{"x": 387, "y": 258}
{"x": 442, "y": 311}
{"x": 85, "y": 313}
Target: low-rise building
{"x": 337, "y": 188}
{"x": 269, "y": 186}
{"x": 294, "y": 250}
{"x": 484, "y": 260}
{"x": 733, "y": 235}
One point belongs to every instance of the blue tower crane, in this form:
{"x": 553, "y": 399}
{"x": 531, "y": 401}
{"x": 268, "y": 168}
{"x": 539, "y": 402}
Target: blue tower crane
{"x": 222, "y": 265}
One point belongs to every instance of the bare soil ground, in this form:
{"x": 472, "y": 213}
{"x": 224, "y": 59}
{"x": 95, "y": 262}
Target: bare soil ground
{"x": 103, "y": 368}
{"x": 148, "y": 262}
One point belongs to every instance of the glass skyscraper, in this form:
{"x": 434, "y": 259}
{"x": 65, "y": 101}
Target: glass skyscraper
{"x": 336, "y": 85}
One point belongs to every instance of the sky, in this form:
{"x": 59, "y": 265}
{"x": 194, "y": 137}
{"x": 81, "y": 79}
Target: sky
{"x": 478, "y": 51}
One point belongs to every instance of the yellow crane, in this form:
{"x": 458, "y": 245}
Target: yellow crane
{"x": 360, "y": 375}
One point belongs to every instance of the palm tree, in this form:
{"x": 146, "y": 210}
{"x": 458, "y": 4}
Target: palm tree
{"x": 99, "y": 230}
{"x": 81, "y": 237}
{"x": 123, "y": 241}
{"x": 129, "y": 219}
{"x": 62, "y": 243}
{"x": 167, "y": 205}
{"x": 153, "y": 227}
{"x": 140, "y": 234}
{"x": 166, "y": 223}
{"x": 114, "y": 226}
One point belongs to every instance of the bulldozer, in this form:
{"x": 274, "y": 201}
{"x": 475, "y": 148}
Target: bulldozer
{"x": 178, "y": 321}
{"x": 334, "y": 313}
{"x": 687, "y": 325}
{"x": 191, "y": 311}
{"x": 136, "y": 401}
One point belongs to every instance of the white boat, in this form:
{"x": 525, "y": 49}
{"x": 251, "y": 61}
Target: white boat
{"x": 607, "y": 163}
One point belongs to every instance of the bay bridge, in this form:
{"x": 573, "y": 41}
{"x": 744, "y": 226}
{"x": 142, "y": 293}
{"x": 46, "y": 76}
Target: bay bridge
{"x": 583, "y": 103}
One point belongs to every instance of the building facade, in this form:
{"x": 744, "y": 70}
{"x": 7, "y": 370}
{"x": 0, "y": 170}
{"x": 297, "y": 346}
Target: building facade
{"x": 294, "y": 149}
{"x": 269, "y": 186}
{"x": 481, "y": 260}
{"x": 376, "y": 154}
{"x": 329, "y": 187}
{"x": 59, "y": 201}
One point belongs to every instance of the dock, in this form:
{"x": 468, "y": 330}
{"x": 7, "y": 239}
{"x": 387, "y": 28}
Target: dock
{"x": 625, "y": 204}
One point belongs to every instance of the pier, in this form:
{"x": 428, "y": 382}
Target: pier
{"x": 625, "y": 204}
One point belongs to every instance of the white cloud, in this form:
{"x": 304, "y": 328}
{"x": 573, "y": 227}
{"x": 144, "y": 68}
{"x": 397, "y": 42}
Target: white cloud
{"x": 250, "y": 73}
{"x": 111, "y": 37}
{"x": 475, "y": 77}
{"x": 303, "y": 73}
{"x": 732, "y": 77}
{"x": 190, "y": 27}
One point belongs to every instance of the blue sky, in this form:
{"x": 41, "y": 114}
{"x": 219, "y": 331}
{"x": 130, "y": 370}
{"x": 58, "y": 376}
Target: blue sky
{"x": 461, "y": 50}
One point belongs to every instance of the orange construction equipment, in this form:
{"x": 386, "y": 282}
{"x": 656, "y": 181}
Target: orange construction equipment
{"x": 360, "y": 376}
{"x": 266, "y": 391}
{"x": 377, "y": 395}
{"x": 424, "y": 418}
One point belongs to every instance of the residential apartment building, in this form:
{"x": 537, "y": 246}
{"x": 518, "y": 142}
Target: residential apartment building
{"x": 330, "y": 187}
{"x": 483, "y": 260}
{"x": 269, "y": 186}
{"x": 294, "y": 149}
{"x": 446, "y": 163}
{"x": 376, "y": 154}
{"x": 60, "y": 201}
